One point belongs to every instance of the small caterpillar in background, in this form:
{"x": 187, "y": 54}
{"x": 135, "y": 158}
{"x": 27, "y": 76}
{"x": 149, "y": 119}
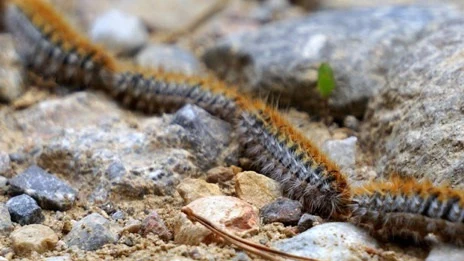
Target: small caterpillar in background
{"x": 52, "y": 49}
{"x": 409, "y": 209}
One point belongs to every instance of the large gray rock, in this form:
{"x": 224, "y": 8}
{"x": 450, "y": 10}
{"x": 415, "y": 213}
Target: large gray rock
{"x": 359, "y": 44}
{"x": 415, "y": 127}
{"x": 92, "y": 232}
{"x": 49, "y": 191}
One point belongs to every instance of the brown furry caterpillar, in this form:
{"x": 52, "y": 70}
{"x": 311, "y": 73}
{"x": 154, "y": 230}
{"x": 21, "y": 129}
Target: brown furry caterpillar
{"x": 405, "y": 208}
{"x": 52, "y": 49}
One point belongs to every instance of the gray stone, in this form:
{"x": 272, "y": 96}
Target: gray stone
{"x": 343, "y": 151}
{"x": 282, "y": 210}
{"x": 414, "y": 127}
{"x": 308, "y": 221}
{"x": 115, "y": 170}
{"x": 92, "y": 232}
{"x": 49, "y": 191}
{"x": 170, "y": 58}
{"x": 12, "y": 73}
{"x": 206, "y": 136}
{"x": 445, "y": 252}
{"x": 330, "y": 241}
{"x": 154, "y": 224}
{"x": 119, "y": 31}
{"x": 283, "y": 58}
{"x": 4, "y": 163}
{"x": 24, "y": 210}
{"x": 6, "y": 226}
{"x": 118, "y": 215}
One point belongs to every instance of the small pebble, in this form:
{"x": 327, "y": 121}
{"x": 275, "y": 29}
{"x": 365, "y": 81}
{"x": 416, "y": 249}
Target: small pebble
{"x": 330, "y": 241}
{"x": 24, "y": 210}
{"x": 308, "y": 221}
{"x": 192, "y": 189}
{"x": 256, "y": 189}
{"x": 49, "y": 191}
{"x": 92, "y": 232}
{"x": 154, "y": 224}
{"x": 33, "y": 237}
{"x": 282, "y": 210}
{"x": 219, "y": 175}
{"x": 6, "y": 226}
{"x": 118, "y": 31}
{"x": 351, "y": 122}
{"x": 229, "y": 213}
{"x": 118, "y": 215}
{"x": 115, "y": 170}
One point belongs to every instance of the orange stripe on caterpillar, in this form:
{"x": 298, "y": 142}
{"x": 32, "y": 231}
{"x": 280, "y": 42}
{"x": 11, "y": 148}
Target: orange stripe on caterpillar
{"x": 51, "y": 48}
{"x": 287, "y": 156}
{"x": 407, "y": 208}
{"x": 284, "y": 154}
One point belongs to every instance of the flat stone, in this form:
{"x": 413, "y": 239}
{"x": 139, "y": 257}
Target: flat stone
{"x": 49, "y": 191}
{"x": 445, "y": 252}
{"x": 154, "y": 224}
{"x": 248, "y": 183}
{"x": 282, "y": 210}
{"x": 24, "y": 210}
{"x": 12, "y": 73}
{"x": 92, "y": 232}
{"x": 206, "y": 136}
{"x": 119, "y": 31}
{"x": 283, "y": 58}
{"x": 35, "y": 237}
{"x": 414, "y": 127}
{"x": 6, "y": 226}
{"x": 232, "y": 214}
{"x": 170, "y": 58}
{"x": 192, "y": 189}
{"x": 330, "y": 241}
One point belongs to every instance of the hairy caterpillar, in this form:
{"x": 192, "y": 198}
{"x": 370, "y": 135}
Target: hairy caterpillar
{"x": 405, "y": 208}
{"x": 394, "y": 208}
{"x": 50, "y": 48}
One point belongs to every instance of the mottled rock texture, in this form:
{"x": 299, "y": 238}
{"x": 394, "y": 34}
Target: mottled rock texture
{"x": 415, "y": 126}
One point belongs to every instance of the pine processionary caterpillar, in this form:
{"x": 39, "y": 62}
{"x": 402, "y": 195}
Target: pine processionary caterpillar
{"x": 398, "y": 208}
{"x": 405, "y": 208}
{"x": 52, "y": 49}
